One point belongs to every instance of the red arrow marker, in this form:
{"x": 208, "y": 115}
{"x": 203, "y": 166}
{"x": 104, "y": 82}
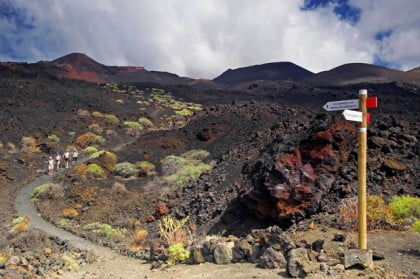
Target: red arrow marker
{"x": 371, "y": 102}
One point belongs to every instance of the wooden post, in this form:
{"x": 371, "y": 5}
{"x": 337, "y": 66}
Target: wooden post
{"x": 361, "y": 189}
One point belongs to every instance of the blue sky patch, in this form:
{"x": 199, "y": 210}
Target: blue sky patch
{"x": 342, "y": 9}
{"x": 379, "y": 36}
{"x": 384, "y": 63}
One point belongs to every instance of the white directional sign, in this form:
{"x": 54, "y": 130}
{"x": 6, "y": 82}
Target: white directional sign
{"x": 341, "y": 105}
{"x": 353, "y": 115}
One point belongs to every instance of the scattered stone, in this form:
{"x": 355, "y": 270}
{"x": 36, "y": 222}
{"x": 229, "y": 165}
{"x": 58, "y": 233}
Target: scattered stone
{"x": 223, "y": 253}
{"x": 322, "y": 257}
{"x": 393, "y": 164}
{"x": 256, "y": 253}
{"x": 339, "y": 267}
{"x": 339, "y": 237}
{"x": 377, "y": 256}
{"x": 70, "y": 263}
{"x": 377, "y": 141}
{"x": 198, "y": 255}
{"x": 356, "y": 257}
{"x": 323, "y": 267}
{"x": 298, "y": 265}
{"x": 272, "y": 259}
{"x": 278, "y": 240}
{"x": 317, "y": 245}
{"x": 150, "y": 218}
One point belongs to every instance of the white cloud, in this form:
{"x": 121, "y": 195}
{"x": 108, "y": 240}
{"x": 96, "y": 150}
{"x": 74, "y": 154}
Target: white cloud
{"x": 204, "y": 38}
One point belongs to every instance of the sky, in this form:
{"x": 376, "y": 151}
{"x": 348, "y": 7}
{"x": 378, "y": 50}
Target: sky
{"x": 201, "y": 39}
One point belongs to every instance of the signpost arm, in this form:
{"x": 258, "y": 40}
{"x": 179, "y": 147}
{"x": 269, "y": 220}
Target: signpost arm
{"x": 361, "y": 189}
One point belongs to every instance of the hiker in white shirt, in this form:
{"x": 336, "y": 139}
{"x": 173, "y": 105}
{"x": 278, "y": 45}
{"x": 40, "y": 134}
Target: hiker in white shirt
{"x": 74, "y": 155}
{"x": 66, "y": 157}
{"x": 50, "y": 163}
{"x": 57, "y": 161}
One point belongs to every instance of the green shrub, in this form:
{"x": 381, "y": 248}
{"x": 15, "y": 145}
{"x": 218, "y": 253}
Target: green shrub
{"x": 96, "y": 154}
{"x": 187, "y": 174}
{"x": 91, "y": 149}
{"x": 54, "y": 138}
{"x": 105, "y": 230}
{"x": 133, "y": 124}
{"x": 125, "y": 169}
{"x": 95, "y": 170}
{"x": 145, "y": 167}
{"x": 89, "y": 138}
{"x": 416, "y": 226}
{"x": 145, "y": 103}
{"x": 119, "y": 101}
{"x": 72, "y": 134}
{"x": 63, "y": 223}
{"x": 184, "y": 112}
{"x": 196, "y": 154}
{"x": 179, "y": 170}
{"x": 48, "y": 191}
{"x": 405, "y": 207}
{"x": 177, "y": 254}
{"x": 97, "y": 114}
{"x": 145, "y": 122}
{"x": 20, "y": 219}
{"x": 112, "y": 118}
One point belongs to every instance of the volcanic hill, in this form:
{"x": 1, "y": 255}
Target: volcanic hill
{"x": 268, "y": 71}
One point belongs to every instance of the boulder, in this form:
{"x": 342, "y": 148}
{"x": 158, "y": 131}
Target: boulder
{"x": 290, "y": 181}
{"x": 298, "y": 265}
{"x": 272, "y": 259}
{"x": 359, "y": 258}
{"x": 223, "y": 253}
{"x": 277, "y": 239}
{"x": 198, "y": 255}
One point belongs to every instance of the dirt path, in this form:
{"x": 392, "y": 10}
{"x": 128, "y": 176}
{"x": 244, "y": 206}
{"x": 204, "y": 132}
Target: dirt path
{"x": 112, "y": 265}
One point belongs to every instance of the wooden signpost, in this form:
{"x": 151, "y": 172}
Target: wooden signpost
{"x": 363, "y": 117}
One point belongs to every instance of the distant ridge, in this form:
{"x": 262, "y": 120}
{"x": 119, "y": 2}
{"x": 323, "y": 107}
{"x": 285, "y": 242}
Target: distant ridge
{"x": 268, "y": 71}
{"x": 354, "y": 73}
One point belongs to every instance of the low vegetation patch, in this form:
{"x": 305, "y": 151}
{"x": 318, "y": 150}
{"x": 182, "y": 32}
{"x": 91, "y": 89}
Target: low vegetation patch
{"x": 95, "y": 170}
{"x": 48, "y": 191}
{"x": 106, "y": 230}
{"x": 179, "y": 170}
{"x": 89, "y": 138}
{"x": 126, "y": 169}
{"x": 133, "y": 125}
{"x": 29, "y": 145}
{"x": 184, "y": 112}
{"x": 111, "y": 118}
{"x": 401, "y": 210}
{"x": 173, "y": 230}
{"x": 54, "y": 138}
{"x": 145, "y": 168}
{"x": 177, "y": 254}
{"x": 91, "y": 149}
{"x": 145, "y": 122}
{"x": 21, "y": 224}
{"x": 81, "y": 169}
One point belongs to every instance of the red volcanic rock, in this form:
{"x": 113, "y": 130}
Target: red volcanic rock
{"x": 162, "y": 208}
{"x": 72, "y": 72}
{"x": 293, "y": 186}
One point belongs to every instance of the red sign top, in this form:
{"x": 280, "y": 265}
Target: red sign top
{"x": 371, "y": 102}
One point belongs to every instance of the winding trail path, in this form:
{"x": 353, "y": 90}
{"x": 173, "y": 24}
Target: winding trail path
{"x": 112, "y": 265}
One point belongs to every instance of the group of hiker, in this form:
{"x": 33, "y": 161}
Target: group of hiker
{"x": 54, "y": 163}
